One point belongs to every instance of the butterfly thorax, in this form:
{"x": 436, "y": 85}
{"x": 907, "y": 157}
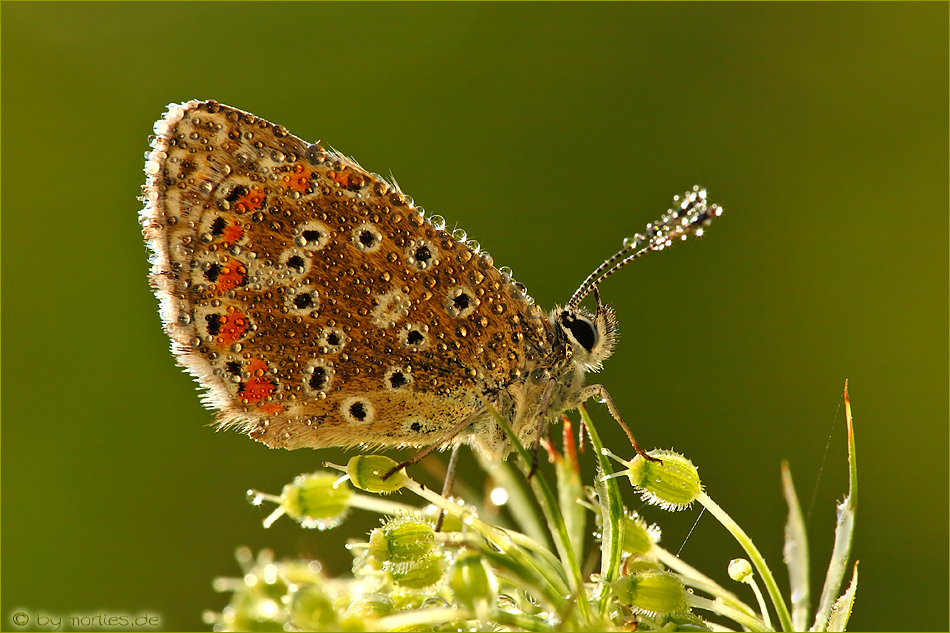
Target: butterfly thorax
{"x": 579, "y": 343}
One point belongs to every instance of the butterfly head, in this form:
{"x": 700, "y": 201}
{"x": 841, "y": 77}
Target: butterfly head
{"x": 591, "y": 336}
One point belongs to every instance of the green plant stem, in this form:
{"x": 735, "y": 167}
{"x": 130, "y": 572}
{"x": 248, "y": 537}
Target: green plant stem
{"x": 519, "y": 505}
{"x": 380, "y": 506}
{"x": 739, "y": 534}
{"x": 695, "y": 578}
{"x": 419, "y": 617}
{"x": 502, "y": 539}
{"x": 760, "y": 599}
{"x": 844, "y": 531}
{"x": 556, "y": 524}
{"x": 795, "y": 553}
{"x": 517, "y": 622}
{"x": 749, "y": 622}
{"x": 525, "y": 578}
{"x": 562, "y": 541}
{"x": 611, "y": 505}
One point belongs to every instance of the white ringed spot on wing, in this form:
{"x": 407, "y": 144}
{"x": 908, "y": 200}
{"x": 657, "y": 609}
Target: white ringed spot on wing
{"x": 358, "y": 410}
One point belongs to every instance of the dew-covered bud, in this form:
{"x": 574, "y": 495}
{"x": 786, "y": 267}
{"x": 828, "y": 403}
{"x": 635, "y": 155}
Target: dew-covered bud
{"x": 638, "y": 537}
{"x": 740, "y": 570}
{"x": 672, "y": 484}
{"x": 312, "y": 610}
{"x": 654, "y": 592}
{"x": 419, "y": 575}
{"x": 314, "y": 500}
{"x": 471, "y": 581}
{"x": 408, "y": 600}
{"x": 639, "y": 564}
{"x": 301, "y": 572}
{"x": 367, "y": 472}
{"x": 401, "y": 540}
{"x": 258, "y": 600}
{"x": 370, "y": 605}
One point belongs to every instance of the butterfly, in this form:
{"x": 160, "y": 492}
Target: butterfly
{"x": 318, "y": 306}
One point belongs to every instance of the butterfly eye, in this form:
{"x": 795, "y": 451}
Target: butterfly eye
{"x": 581, "y": 329}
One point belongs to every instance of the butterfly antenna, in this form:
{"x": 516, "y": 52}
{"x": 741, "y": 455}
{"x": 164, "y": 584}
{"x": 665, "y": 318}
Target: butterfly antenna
{"x": 690, "y": 215}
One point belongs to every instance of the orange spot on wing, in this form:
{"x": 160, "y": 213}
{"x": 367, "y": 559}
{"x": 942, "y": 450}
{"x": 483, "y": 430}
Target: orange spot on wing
{"x": 230, "y": 275}
{"x": 232, "y": 233}
{"x": 232, "y": 327}
{"x": 271, "y": 408}
{"x": 341, "y": 177}
{"x": 258, "y": 387}
{"x": 251, "y": 201}
{"x": 257, "y": 367}
{"x": 298, "y": 179}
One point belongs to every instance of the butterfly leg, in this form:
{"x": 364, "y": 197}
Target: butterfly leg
{"x": 449, "y": 482}
{"x": 439, "y": 443}
{"x": 599, "y": 392}
{"x": 542, "y": 410}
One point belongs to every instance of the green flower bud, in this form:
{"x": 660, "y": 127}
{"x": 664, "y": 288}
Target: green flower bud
{"x": 249, "y": 611}
{"x": 673, "y": 484}
{"x": 367, "y": 472}
{"x": 301, "y": 572}
{"x": 314, "y": 501}
{"x": 740, "y": 570}
{"x": 638, "y": 564}
{"x": 638, "y": 538}
{"x": 418, "y": 575}
{"x": 653, "y": 592}
{"x": 471, "y": 581}
{"x": 312, "y": 610}
{"x": 408, "y": 600}
{"x": 402, "y": 540}
{"x": 370, "y": 605}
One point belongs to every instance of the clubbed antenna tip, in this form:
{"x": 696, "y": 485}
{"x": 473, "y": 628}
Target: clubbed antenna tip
{"x": 690, "y": 215}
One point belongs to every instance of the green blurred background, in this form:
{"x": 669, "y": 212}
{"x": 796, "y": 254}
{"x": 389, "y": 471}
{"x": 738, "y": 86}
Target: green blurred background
{"x": 549, "y": 132}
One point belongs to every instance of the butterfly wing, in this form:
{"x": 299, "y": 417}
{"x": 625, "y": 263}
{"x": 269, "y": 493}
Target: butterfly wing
{"x": 314, "y": 302}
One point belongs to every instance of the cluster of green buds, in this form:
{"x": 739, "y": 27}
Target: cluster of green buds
{"x": 471, "y": 574}
{"x": 405, "y": 549}
{"x": 276, "y": 595}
